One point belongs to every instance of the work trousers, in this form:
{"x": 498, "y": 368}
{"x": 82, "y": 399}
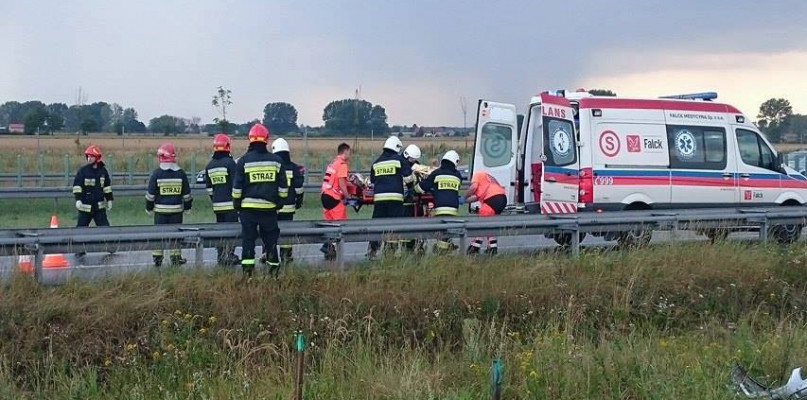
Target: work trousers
{"x": 255, "y": 224}
{"x": 386, "y": 209}
{"x": 226, "y": 253}
{"x": 286, "y": 249}
{"x": 174, "y": 254}
{"x": 98, "y": 215}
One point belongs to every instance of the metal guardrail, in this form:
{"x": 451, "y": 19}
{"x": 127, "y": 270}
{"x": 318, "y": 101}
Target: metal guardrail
{"x": 40, "y": 242}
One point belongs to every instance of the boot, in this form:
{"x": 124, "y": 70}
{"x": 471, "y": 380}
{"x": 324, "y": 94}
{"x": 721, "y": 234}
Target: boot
{"x": 286, "y": 255}
{"x": 472, "y": 250}
{"x": 491, "y": 251}
{"x": 390, "y": 248}
{"x": 177, "y": 261}
{"x": 158, "y": 261}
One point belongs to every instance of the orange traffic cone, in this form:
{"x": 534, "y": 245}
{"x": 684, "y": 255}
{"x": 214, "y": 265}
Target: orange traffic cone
{"x": 24, "y": 265}
{"x": 53, "y": 261}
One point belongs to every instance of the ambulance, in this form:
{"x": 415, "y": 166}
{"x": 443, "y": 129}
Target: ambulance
{"x": 575, "y": 152}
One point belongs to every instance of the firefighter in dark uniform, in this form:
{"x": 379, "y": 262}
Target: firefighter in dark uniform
{"x": 219, "y": 175}
{"x": 294, "y": 181}
{"x": 92, "y": 189}
{"x": 168, "y": 197}
{"x": 444, "y": 184}
{"x": 411, "y": 156}
{"x": 259, "y": 189}
{"x": 388, "y": 175}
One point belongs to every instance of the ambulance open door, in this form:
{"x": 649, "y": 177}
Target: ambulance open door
{"x": 496, "y": 143}
{"x": 560, "y": 178}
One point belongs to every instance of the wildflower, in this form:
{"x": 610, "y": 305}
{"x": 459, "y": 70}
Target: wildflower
{"x": 165, "y": 322}
{"x": 534, "y": 374}
{"x": 188, "y": 317}
{"x": 130, "y": 347}
{"x": 177, "y": 313}
{"x": 212, "y": 320}
{"x": 107, "y": 362}
{"x": 202, "y": 331}
{"x": 155, "y": 355}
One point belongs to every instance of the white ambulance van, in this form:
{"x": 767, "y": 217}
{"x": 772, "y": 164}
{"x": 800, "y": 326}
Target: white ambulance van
{"x": 576, "y": 152}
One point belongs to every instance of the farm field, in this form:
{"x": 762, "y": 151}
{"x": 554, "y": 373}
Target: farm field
{"x": 666, "y": 322}
{"x": 56, "y": 154}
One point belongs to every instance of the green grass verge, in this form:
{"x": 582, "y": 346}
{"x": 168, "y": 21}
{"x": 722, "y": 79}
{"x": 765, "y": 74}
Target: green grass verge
{"x": 660, "y": 323}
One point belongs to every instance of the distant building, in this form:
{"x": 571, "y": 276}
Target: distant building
{"x": 16, "y": 128}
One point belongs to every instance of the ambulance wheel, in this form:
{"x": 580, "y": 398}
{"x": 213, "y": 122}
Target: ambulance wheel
{"x": 565, "y": 239}
{"x": 785, "y": 234}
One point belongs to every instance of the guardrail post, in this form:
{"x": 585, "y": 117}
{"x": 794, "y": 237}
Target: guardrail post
{"x": 19, "y": 170}
{"x": 200, "y": 253}
{"x": 39, "y": 256}
{"x": 763, "y": 229}
{"x": 576, "y": 240}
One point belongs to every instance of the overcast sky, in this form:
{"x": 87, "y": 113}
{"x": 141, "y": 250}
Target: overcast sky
{"x": 415, "y": 57}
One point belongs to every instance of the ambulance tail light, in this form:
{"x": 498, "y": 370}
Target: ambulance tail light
{"x": 586, "y": 194}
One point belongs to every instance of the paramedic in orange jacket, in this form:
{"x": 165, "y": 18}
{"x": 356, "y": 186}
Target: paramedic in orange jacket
{"x": 487, "y": 190}
{"x": 334, "y": 193}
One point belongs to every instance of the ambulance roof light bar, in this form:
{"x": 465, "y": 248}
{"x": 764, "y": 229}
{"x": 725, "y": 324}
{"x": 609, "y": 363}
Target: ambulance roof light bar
{"x": 705, "y": 96}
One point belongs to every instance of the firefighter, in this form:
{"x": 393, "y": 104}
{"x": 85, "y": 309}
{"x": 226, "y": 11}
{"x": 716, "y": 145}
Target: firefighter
{"x": 258, "y": 191}
{"x": 411, "y": 156}
{"x": 294, "y": 181}
{"x": 92, "y": 189}
{"x": 487, "y": 190}
{"x": 444, "y": 184}
{"x": 389, "y": 174}
{"x": 168, "y": 196}
{"x": 334, "y": 193}
{"x": 219, "y": 175}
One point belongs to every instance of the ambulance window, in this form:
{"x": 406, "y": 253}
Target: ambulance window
{"x": 696, "y": 147}
{"x": 534, "y": 134}
{"x": 754, "y": 151}
{"x": 559, "y": 144}
{"x": 497, "y": 143}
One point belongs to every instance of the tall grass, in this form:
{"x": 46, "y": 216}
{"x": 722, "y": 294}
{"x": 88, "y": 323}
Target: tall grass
{"x": 665, "y": 322}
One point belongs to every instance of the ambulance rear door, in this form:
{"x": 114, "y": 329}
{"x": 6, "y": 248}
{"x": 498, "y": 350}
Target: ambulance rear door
{"x": 496, "y": 143}
{"x": 560, "y": 178}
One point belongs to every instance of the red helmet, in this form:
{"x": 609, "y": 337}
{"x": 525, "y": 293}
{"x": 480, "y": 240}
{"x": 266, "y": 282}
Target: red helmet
{"x": 258, "y": 133}
{"x": 221, "y": 142}
{"x": 167, "y": 153}
{"x": 93, "y": 151}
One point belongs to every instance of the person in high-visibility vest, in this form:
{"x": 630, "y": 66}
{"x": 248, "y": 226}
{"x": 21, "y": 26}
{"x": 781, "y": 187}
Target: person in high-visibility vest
{"x": 488, "y": 191}
{"x": 168, "y": 196}
{"x": 219, "y": 176}
{"x": 333, "y": 194}
{"x": 295, "y": 181}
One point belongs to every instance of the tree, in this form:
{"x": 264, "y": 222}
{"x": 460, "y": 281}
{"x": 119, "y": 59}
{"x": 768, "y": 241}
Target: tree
{"x": 11, "y": 113}
{"x": 35, "y": 118}
{"x": 773, "y": 114}
{"x": 167, "y": 124}
{"x": 602, "y": 92}
{"x": 280, "y": 118}
{"x": 354, "y": 116}
{"x": 221, "y": 100}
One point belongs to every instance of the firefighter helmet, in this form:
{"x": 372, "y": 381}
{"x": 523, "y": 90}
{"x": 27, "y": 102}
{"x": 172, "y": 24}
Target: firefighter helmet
{"x": 393, "y": 143}
{"x": 452, "y": 156}
{"x": 258, "y": 133}
{"x": 167, "y": 153}
{"x": 279, "y": 145}
{"x": 412, "y": 151}
{"x": 93, "y": 151}
{"x": 221, "y": 142}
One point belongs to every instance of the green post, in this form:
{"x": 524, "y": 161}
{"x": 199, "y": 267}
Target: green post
{"x": 67, "y": 170}
{"x": 496, "y": 374}
{"x": 19, "y": 170}
{"x": 299, "y": 345}
{"x": 41, "y": 162}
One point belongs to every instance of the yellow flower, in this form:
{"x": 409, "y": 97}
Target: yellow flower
{"x": 212, "y": 320}
{"x": 203, "y": 331}
{"x": 130, "y": 347}
{"x": 177, "y": 313}
{"x": 534, "y": 374}
{"x": 155, "y": 355}
{"x": 165, "y": 322}
{"x": 107, "y": 362}
{"x": 188, "y": 317}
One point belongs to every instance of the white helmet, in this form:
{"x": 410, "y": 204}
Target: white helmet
{"x": 412, "y": 151}
{"x": 394, "y": 144}
{"x": 452, "y": 156}
{"x": 280, "y": 144}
